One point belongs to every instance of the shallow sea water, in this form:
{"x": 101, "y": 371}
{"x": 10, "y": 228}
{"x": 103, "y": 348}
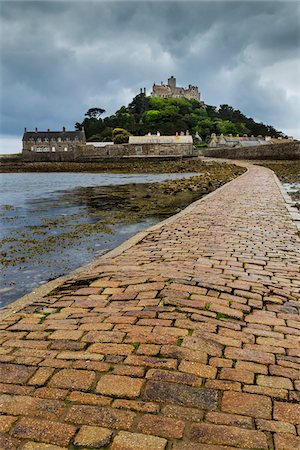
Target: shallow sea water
{"x": 42, "y": 215}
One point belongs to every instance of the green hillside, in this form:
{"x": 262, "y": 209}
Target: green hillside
{"x": 168, "y": 116}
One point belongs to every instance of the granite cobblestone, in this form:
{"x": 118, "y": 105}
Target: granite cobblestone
{"x": 187, "y": 340}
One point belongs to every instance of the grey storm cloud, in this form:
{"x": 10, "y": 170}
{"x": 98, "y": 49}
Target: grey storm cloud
{"x": 60, "y": 58}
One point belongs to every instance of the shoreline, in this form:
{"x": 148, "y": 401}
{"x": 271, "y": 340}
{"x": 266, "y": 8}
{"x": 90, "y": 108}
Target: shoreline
{"x": 104, "y": 165}
{"x": 286, "y": 170}
{"x": 107, "y": 213}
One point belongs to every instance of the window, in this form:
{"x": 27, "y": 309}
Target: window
{"x": 53, "y": 149}
{"x": 66, "y": 149}
{"x": 42, "y": 149}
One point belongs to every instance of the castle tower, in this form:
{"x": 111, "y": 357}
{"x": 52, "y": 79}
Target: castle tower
{"x": 172, "y": 82}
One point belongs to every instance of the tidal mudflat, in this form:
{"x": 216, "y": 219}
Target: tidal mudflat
{"x": 53, "y": 223}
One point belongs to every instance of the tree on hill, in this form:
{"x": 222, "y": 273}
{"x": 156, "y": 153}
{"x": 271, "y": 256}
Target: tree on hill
{"x": 92, "y": 124}
{"x": 168, "y": 116}
{"x": 94, "y": 113}
{"x": 139, "y": 105}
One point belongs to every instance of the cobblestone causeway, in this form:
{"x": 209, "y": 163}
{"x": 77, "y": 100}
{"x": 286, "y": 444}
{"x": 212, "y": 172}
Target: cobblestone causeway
{"x": 188, "y": 340}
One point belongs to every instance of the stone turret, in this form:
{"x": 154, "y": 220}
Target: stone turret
{"x": 172, "y": 82}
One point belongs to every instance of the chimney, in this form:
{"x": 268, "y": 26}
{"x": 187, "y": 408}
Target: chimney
{"x": 25, "y": 130}
{"x": 64, "y": 128}
{"x": 36, "y": 130}
{"x": 48, "y": 129}
{"x": 141, "y": 91}
{"x": 144, "y": 90}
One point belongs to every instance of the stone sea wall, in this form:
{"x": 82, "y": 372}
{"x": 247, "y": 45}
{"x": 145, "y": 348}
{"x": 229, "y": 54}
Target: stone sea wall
{"x": 91, "y": 153}
{"x": 289, "y": 150}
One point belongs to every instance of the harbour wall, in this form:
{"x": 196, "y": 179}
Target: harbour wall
{"x": 288, "y": 150}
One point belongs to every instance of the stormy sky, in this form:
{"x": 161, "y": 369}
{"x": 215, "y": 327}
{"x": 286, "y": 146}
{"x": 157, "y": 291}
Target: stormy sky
{"x": 58, "y": 59}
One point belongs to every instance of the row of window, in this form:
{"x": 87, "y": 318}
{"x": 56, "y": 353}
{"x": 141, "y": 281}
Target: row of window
{"x": 59, "y": 139}
{"x": 45, "y": 149}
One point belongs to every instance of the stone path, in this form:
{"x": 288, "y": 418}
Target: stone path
{"x": 188, "y": 340}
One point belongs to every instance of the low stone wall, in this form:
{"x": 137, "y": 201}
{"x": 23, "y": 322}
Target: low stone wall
{"x": 90, "y": 153}
{"x": 150, "y": 150}
{"x": 289, "y": 150}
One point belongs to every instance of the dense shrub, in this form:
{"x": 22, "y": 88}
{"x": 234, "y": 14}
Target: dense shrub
{"x": 120, "y": 136}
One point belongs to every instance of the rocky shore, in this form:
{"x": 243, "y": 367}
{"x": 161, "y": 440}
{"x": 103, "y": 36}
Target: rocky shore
{"x": 78, "y": 225}
{"x": 111, "y": 206}
{"x": 106, "y": 165}
{"x": 287, "y": 172}
{"x": 169, "y": 197}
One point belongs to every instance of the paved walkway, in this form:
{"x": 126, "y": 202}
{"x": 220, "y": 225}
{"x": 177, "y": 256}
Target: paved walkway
{"x": 189, "y": 340}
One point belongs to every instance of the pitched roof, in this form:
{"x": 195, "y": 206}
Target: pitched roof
{"x": 53, "y": 135}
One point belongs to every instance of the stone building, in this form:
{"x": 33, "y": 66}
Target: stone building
{"x": 157, "y": 145}
{"x": 170, "y": 90}
{"x": 52, "y": 141}
{"x": 67, "y": 147}
{"x": 237, "y": 141}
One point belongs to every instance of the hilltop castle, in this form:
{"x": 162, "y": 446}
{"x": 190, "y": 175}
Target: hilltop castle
{"x": 170, "y": 90}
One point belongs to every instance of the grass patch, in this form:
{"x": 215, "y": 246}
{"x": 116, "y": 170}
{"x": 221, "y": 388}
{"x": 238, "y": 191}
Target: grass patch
{"x": 179, "y": 341}
{"x": 223, "y": 316}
